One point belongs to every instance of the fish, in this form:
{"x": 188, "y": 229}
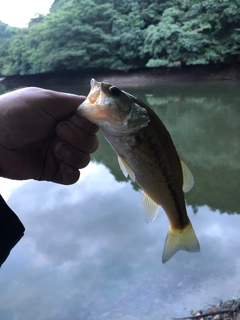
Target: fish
{"x": 146, "y": 153}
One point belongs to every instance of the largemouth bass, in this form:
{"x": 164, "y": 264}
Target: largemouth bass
{"x": 147, "y": 154}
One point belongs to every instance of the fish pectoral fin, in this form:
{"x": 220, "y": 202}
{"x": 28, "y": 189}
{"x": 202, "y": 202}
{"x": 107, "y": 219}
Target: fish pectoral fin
{"x": 150, "y": 208}
{"x": 126, "y": 170}
{"x": 188, "y": 180}
{"x": 183, "y": 239}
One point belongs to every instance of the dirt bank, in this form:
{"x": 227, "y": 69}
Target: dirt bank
{"x": 131, "y": 78}
{"x": 229, "y": 310}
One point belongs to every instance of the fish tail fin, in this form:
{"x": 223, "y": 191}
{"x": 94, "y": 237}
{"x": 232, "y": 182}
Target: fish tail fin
{"x": 183, "y": 239}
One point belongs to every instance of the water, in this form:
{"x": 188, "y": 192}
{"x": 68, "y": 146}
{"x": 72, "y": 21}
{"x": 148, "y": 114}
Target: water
{"x": 87, "y": 253}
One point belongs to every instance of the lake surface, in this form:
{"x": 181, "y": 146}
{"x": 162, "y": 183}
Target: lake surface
{"x": 87, "y": 252}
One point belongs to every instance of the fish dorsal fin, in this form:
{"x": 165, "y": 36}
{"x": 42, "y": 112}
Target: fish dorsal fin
{"x": 188, "y": 180}
{"x": 150, "y": 208}
{"x": 126, "y": 170}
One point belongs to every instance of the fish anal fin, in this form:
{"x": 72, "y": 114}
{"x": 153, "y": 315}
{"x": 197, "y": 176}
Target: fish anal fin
{"x": 150, "y": 208}
{"x": 188, "y": 180}
{"x": 126, "y": 170}
{"x": 184, "y": 239}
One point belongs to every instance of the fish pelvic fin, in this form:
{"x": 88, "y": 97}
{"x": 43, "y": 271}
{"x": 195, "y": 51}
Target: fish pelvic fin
{"x": 126, "y": 170}
{"x": 183, "y": 239}
{"x": 150, "y": 208}
{"x": 188, "y": 180}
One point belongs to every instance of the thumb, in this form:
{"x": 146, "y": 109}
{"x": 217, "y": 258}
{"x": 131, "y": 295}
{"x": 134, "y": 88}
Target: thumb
{"x": 62, "y": 105}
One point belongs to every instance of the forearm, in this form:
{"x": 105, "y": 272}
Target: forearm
{"x": 11, "y": 230}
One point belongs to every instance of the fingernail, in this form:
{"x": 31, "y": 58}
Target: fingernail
{"x": 64, "y": 131}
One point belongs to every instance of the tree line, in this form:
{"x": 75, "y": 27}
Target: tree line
{"x": 123, "y": 35}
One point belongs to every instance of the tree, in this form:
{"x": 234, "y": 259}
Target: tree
{"x": 6, "y": 32}
{"x": 195, "y": 32}
{"x": 123, "y": 35}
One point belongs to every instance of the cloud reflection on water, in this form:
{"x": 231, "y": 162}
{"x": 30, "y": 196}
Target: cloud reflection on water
{"x": 88, "y": 254}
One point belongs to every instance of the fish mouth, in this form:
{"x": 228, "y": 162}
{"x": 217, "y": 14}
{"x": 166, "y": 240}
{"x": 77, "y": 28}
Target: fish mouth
{"x": 94, "y": 92}
{"x": 91, "y": 107}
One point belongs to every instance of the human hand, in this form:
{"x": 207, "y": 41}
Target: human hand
{"x": 39, "y": 137}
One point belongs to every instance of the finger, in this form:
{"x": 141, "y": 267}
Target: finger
{"x": 83, "y": 123}
{"x": 77, "y": 138}
{"x": 66, "y": 174}
{"x": 71, "y": 156}
{"x": 63, "y": 105}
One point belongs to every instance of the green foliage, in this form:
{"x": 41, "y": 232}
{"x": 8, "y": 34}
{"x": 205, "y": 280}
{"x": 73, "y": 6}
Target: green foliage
{"x": 57, "y": 5}
{"x": 122, "y": 35}
{"x": 196, "y": 32}
{"x": 6, "y": 32}
{"x": 128, "y": 31}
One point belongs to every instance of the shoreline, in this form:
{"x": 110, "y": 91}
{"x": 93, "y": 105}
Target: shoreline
{"x": 137, "y": 77}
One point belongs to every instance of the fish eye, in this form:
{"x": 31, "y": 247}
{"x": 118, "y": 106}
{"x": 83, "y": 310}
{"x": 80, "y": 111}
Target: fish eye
{"x": 114, "y": 91}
